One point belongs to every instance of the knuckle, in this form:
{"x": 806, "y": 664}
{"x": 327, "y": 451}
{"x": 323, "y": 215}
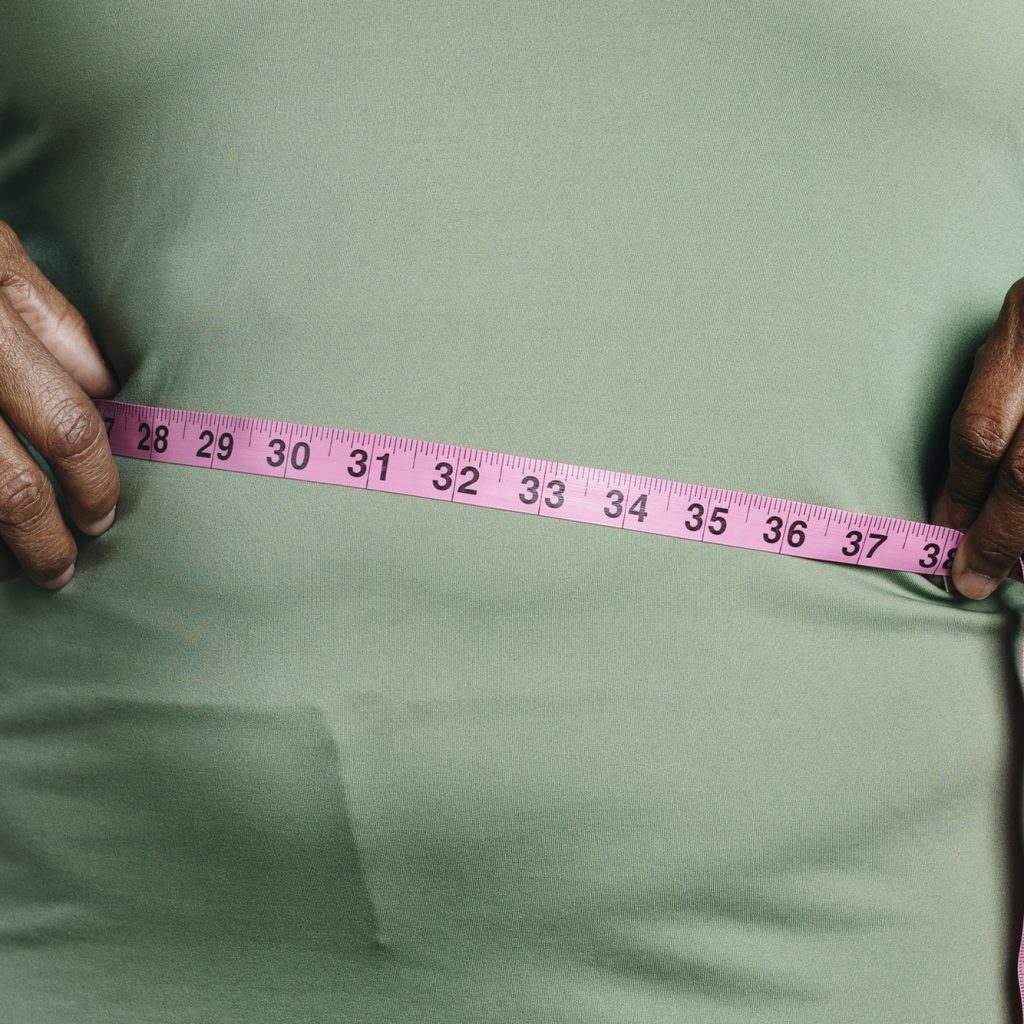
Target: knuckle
{"x": 25, "y": 497}
{"x": 978, "y": 439}
{"x": 75, "y": 430}
{"x": 991, "y": 552}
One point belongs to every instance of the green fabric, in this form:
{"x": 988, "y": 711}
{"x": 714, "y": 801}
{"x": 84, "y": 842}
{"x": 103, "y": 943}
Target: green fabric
{"x": 304, "y": 753}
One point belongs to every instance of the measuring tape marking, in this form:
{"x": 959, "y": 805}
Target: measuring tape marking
{"x": 134, "y": 431}
{"x": 555, "y": 490}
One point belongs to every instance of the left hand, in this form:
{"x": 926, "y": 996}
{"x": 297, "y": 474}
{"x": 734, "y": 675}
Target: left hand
{"x": 983, "y": 492}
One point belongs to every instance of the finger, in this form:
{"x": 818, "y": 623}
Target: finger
{"x": 987, "y": 418}
{"x": 30, "y": 521}
{"x": 993, "y": 543}
{"x": 981, "y": 432}
{"x": 52, "y": 319}
{"x": 43, "y": 403}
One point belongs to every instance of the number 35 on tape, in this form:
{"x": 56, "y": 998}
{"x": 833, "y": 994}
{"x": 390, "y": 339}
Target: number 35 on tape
{"x": 516, "y": 483}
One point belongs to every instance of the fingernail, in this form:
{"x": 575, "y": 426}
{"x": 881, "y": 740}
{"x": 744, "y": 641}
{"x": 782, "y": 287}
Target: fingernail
{"x": 60, "y": 580}
{"x": 975, "y": 585}
{"x": 101, "y": 525}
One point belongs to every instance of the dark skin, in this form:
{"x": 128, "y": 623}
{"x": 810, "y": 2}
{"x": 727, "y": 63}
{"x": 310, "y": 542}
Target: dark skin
{"x": 51, "y": 366}
{"x": 982, "y": 493}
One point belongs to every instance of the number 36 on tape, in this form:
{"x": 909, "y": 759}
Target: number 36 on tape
{"x": 516, "y": 483}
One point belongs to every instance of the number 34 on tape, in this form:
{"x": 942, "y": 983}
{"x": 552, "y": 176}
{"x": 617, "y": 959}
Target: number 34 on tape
{"x": 516, "y": 483}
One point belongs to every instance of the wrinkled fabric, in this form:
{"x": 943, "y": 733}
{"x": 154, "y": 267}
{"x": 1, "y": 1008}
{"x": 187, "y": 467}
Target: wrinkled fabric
{"x": 286, "y": 752}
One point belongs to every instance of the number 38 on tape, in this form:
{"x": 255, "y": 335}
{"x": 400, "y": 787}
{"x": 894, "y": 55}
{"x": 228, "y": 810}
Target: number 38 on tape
{"x": 516, "y": 483}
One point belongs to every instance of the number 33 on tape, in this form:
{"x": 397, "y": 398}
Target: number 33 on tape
{"x": 515, "y": 483}
{"x": 555, "y": 490}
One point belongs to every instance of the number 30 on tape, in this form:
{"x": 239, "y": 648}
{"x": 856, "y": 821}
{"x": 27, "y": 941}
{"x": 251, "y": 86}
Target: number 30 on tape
{"x": 516, "y": 483}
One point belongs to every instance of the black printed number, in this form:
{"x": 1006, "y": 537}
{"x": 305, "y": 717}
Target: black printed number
{"x": 532, "y": 485}
{"x": 715, "y": 518}
{"x": 298, "y": 459}
{"x": 159, "y": 436}
{"x": 933, "y": 557}
{"x": 362, "y": 457}
{"x": 795, "y": 536}
{"x": 446, "y": 469}
{"x": 856, "y": 538}
{"x": 638, "y": 508}
{"x": 225, "y": 445}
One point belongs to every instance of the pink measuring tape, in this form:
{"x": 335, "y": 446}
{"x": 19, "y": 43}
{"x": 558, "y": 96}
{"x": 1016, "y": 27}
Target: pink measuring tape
{"x": 515, "y": 483}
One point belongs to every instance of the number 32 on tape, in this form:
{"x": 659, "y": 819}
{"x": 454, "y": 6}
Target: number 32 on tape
{"x": 516, "y": 483}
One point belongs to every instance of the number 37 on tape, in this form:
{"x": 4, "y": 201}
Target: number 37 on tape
{"x": 516, "y": 483}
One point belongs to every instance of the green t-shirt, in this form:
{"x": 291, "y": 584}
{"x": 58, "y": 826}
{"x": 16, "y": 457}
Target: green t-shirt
{"x": 303, "y": 753}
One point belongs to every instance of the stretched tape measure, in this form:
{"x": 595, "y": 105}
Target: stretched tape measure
{"x": 516, "y": 483}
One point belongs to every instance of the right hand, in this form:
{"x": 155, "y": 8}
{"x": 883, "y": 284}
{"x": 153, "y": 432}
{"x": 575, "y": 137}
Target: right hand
{"x": 49, "y": 366}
